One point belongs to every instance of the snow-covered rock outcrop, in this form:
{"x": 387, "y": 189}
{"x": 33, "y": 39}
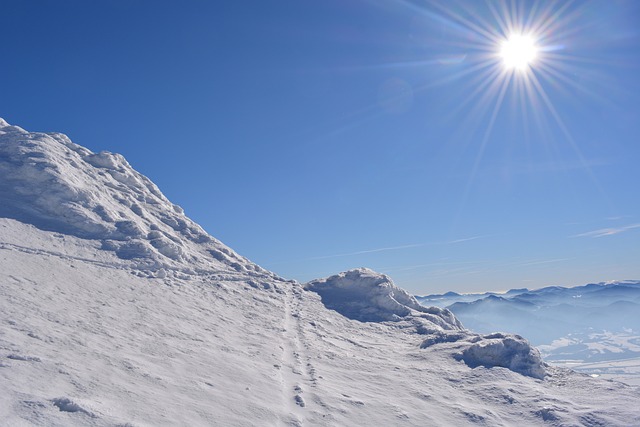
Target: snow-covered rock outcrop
{"x": 362, "y": 294}
{"x": 50, "y": 182}
{"x": 507, "y": 351}
{"x": 367, "y": 296}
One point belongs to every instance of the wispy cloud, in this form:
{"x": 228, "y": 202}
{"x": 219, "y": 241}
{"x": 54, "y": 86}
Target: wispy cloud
{"x": 369, "y": 251}
{"x": 556, "y": 166}
{"x": 457, "y": 268}
{"x": 593, "y": 221}
{"x": 608, "y": 231}
{"x": 467, "y": 239}
{"x": 395, "y": 248}
{"x": 546, "y": 261}
{"x": 442, "y": 266}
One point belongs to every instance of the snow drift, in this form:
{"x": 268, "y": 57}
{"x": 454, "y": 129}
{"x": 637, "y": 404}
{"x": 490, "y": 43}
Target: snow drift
{"x": 116, "y": 309}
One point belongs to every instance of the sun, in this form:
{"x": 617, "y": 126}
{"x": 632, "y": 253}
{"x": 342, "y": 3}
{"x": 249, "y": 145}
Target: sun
{"x": 518, "y": 52}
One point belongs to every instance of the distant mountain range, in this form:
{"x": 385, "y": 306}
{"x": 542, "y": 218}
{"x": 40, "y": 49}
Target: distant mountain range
{"x": 594, "y": 322}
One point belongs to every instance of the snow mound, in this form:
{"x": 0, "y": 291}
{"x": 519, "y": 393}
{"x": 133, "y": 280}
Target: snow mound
{"x": 364, "y": 295}
{"x": 507, "y": 351}
{"x": 367, "y": 296}
{"x": 48, "y": 181}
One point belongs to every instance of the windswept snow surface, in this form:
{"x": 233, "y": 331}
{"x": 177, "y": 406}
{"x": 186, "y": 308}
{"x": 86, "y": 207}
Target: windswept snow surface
{"x": 117, "y": 310}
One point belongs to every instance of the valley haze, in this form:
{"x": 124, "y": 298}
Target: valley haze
{"x": 593, "y": 328}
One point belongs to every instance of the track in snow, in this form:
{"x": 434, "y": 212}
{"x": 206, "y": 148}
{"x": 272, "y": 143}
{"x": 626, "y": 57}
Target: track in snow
{"x": 295, "y": 369}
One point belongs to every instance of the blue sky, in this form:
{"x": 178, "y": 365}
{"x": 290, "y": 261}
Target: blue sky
{"x": 314, "y": 137}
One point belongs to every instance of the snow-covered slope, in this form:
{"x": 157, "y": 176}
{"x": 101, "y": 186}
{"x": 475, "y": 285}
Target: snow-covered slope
{"x": 116, "y": 309}
{"x": 54, "y": 184}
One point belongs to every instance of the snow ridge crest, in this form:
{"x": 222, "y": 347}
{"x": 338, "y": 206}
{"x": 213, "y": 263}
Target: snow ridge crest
{"x": 48, "y": 181}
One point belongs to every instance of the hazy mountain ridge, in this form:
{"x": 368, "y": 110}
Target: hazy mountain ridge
{"x": 116, "y": 309}
{"x": 576, "y": 323}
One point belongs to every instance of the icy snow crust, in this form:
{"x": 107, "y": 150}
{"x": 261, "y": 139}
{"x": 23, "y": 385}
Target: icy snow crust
{"x": 100, "y": 325}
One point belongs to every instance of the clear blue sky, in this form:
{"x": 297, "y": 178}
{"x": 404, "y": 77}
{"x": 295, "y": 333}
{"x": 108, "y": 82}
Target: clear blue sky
{"x": 318, "y": 136}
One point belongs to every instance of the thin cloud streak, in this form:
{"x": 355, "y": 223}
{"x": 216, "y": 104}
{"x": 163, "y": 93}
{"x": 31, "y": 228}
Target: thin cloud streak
{"x": 465, "y": 239}
{"x": 472, "y": 264}
{"x": 392, "y": 248}
{"x": 548, "y": 261}
{"x": 607, "y": 231}
{"x": 395, "y": 248}
{"x": 488, "y": 265}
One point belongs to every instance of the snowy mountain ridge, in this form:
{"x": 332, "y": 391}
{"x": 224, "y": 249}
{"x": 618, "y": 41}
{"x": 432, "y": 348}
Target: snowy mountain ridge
{"x": 116, "y": 309}
{"x": 448, "y": 298}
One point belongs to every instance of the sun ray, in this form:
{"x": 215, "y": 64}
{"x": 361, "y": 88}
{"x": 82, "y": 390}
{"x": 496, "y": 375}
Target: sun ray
{"x": 473, "y": 69}
{"x": 531, "y": 17}
{"x": 504, "y": 84}
{"x": 547, "y": 19}
{"x": 503, "y": 20}
{"x": 550, "y": 73}
{"x": 469, "y": 24}
{"x": 485, "y": 89}
{"x": 485, "y": 97}
{"x": 567, "y": 134}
